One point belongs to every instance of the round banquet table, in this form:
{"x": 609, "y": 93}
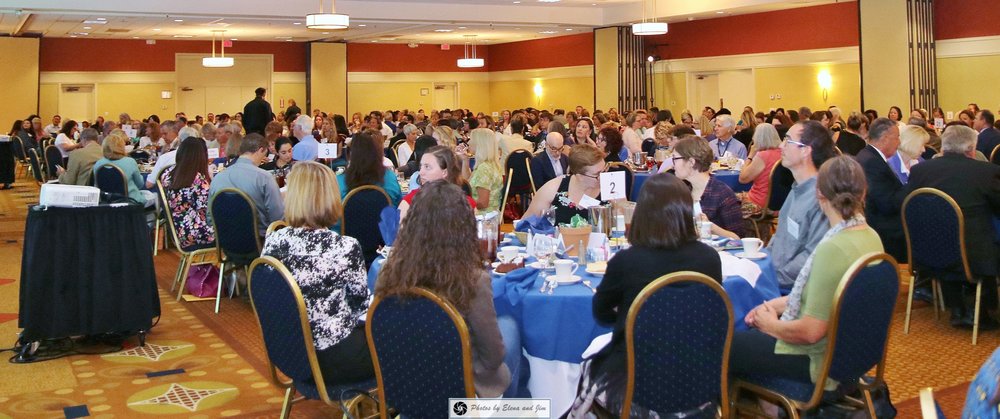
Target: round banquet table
{"x": 556, "y": 329}
{"x": 730, "y": 177}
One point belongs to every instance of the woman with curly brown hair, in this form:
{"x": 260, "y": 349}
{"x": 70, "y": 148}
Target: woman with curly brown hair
{"x": 451, "y": 269}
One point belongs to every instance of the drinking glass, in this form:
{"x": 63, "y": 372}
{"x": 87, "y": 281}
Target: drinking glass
{"x": 550, "y": 214}
{"x": 544, "y": 248}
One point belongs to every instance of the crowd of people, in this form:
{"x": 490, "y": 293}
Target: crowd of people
{"x": 848, "y": 181}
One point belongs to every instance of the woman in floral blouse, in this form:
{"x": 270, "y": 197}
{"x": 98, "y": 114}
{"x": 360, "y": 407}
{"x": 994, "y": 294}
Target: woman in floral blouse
{"x": 486, "y": 180}
{"x": 329, "y": 269}
{"x": 186, "y": 187}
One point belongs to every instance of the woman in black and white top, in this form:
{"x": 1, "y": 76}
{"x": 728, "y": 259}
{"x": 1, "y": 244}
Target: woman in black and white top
{"x": 329, "y": 269}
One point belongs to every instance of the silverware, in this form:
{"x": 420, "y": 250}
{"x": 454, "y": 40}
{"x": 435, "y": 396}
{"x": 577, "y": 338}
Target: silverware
{"x": 586, "y": 283}
{"x": 565, "y": 251}
{"x": 545, "y": 281}
{"x": 552, "y": 286}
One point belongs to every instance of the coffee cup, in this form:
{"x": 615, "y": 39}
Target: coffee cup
{"x": 751, "y": 246}
{"x": 509, "y": 253}
{"x": 705, "y": 229}
{"x": 565, "y": 268}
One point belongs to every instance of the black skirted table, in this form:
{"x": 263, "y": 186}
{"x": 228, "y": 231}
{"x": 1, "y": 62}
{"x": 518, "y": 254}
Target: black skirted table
{"x": 86, "y": 271}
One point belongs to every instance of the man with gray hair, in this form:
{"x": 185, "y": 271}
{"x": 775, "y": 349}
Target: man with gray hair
{"x": 405, "y": 150}
{"x": 723, "y": 143}
{"x": 246, "y": 175}
{"x": 81, "y": 161}
{"x": 307, "y": 148}
{"x": 208, "y": 132}
{"x": 975, "y": 187}
{"x": 169, "y": 130}
{"x": 885, "y": 191}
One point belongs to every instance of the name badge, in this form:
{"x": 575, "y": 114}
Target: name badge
{"x": 587, "y": 202}
{"x": 213, "y": 153}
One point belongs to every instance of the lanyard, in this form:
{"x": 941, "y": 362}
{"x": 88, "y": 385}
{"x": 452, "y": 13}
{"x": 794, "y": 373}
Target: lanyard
{"x": 722, "y": 151}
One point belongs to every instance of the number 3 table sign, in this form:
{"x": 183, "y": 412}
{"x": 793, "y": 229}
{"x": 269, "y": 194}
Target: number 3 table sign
{"x": 612, "y": 185}
{"x": 327, "y": 151}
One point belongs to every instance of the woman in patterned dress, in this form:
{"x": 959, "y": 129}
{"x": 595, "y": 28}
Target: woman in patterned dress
{"x": 329, "y": 269}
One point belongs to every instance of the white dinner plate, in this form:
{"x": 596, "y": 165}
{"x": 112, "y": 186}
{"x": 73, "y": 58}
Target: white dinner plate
{"x": 572, "y": 279}
{"x": 759, "y": 255}
{"x": 599, "y": 273}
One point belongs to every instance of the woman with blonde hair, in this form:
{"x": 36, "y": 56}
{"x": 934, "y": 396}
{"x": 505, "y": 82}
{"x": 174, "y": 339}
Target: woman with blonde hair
{"x": 912, "y": 140}
{"x": 764, "y": 154}
{"x": 329, "y": 269}
{"x": 114, "y": 153}
{"x": 445, "y": 135}
{"x": 487, "y": 179}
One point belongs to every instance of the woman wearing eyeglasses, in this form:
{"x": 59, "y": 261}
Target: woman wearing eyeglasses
{"x": 692, "y": 158}
{"x": 567, "y": 192}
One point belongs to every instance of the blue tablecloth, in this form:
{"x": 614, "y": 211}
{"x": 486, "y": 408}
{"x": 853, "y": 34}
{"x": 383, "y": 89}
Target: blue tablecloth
{"x": 560, "y": 326}
{"x": 729, "y": 177}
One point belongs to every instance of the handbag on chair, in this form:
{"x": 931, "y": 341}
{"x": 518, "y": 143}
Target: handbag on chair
{"x": 203, "y": 280}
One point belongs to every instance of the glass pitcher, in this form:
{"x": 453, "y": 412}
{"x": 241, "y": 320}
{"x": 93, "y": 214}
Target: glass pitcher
{"x": 487, "y": 231}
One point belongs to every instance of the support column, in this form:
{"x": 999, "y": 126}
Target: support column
{"x": 620, "y": 69}
{"x": 326, "y": 78}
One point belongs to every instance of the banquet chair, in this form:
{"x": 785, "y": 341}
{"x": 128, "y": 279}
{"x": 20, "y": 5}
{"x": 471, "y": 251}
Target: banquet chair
{"x": 140, "y": 155}
{"x": 435, "y": 363}
{"x": 629, "y": 178}
{"x": 677, "y": 337}
{"x": 362, "y": 209}
{"x": 934, "y": 227}
{"x": 767, "y": 218}
{"x": 275, "y": 226}
{"x": 519, "y": 181}
{"x": 781, "y": 186}
{"x": 857, "y": 336}
{"x": 995, "y": 155}
{"x": 111, "y": 179}
{"x": 288, "y": 341}
{"x": 649, "y": 147}
{"x": 36, "y": 168}
{"x": 234, "y": 218}
{"x": 53, "y": 158}
{"x": 191, "y": 255}
{"x": 19, "y": 154}
{"x": 392, "y": 154}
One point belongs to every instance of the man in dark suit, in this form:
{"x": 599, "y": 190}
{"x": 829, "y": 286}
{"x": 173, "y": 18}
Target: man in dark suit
{"x": 975, "y": 187}
{"x": 989, "y": 137}
{"x": 257, "y": 113}
{"x": 550, "y": 164}
{"x": 885, "y": 192}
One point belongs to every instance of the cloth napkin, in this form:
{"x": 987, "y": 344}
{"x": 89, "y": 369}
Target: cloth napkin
{"x": 734, "y": 266}
{"x": 536, "y": 225}
{"x": 388, "y": 224}
{"x": 518, "y": 283}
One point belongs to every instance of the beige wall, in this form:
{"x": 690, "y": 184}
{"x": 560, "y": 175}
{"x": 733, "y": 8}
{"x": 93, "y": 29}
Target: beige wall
{"x": 328, "y": 77}
{"x": 606, "y": 68}
{"x": 671, "y": 93}
{"x": 561, "y": 93}
{"x": 964, "y": 80}
{"x": 799, "y": 86}
{"x": 885, "y": 54}
{"x": 18, "y": 79}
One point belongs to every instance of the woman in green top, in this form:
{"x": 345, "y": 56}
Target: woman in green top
{"x": 487, "y": 178}
{"x": 114, "y": 153}
{"x": 788, "y": 335}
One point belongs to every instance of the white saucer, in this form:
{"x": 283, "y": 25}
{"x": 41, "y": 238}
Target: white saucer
{"x": 760, "y": 255}
{"x": 572, "y": 279}
{"x": 598, "y": 273}
{"x": 538, "y": 265}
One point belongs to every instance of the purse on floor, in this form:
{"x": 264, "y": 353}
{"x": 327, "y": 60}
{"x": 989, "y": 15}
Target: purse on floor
{"x": 203, "y": 280}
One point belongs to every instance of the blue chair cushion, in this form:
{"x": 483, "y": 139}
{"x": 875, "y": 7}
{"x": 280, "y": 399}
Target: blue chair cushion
{"x": 198, "y": 246}
{"x": 793, "y": 389}
{"x": 308, "y": 388}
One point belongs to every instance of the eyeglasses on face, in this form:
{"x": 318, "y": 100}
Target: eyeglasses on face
{"x": 788, "y": 139}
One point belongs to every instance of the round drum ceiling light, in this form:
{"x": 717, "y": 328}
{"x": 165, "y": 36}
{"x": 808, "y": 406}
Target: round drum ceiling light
{"x": 327, "y": 21}
{"x": 649, "y": 28}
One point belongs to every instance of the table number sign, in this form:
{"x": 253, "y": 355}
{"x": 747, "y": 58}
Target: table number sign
{"x": 612, "y": 185}
{"x": 327, "y": 151}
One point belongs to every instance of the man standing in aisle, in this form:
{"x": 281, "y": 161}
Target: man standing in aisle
{"x": 257, "y": 113}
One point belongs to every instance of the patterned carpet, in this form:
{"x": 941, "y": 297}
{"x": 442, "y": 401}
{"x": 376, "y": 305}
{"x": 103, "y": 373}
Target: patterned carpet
{"x": 198, "y": 364}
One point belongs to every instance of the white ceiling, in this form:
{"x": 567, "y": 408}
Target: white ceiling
{"x": 395, "y": 21}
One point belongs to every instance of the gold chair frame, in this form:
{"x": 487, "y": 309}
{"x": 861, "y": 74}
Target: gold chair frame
{"x": 993, "y": 154}
{"x": 23, "y": 164}
{"x": 343, "y": 221}
{"x": 310, "y": 346}
{"x": 463, "y": 334}
{"x": 791, "y": 406}
{"x": 218, "y": 248}
{"x": 633, "y": 313}
{"x": 936, "y": 287}
{"x": 275, "y": 226}
{"x": 527, "y": 165}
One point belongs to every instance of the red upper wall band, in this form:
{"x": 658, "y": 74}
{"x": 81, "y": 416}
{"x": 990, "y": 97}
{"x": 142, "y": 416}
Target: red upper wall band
{"x": 955, "y": 19}
{"x": 561, "y": 51}
{"x": 825, "y": 26}
{"x": 400, "y": 58}
{"x": 78, "y": 54}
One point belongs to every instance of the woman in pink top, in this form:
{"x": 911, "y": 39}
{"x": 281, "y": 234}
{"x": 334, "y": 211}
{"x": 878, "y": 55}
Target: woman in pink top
{"x": 765, "y": 152}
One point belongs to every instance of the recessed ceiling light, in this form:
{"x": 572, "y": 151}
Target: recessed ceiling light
{"x": 234, "y": 39}
{"x": 288, "y": 40}
{"x": 720, "y": 12}
{"x": 461, "y": 27}
{"x": 156, "y": 29}
{"x": 178, "y": 20}
{"x": 517, "y": 2}
{"x": 547, "y": 32}
{"x": 548, "y": 1}
{"x": 374, "y": 40}
{"x": 183, "y": 36}
{"x": 282, "y": 37}
{"x": 101, "y": 18}
{"x": 569, "y": 29}
{"x": 326, "y": 33}
{"x": 72, "y": 36}
{"x": 296, "y": 23}
{"x": 135, "y": 37}
{"x": 87, "y": 27}
{"x": 442, "y": 30}
{"x": 362, "y": 25}
{"x": 95, "y": 22}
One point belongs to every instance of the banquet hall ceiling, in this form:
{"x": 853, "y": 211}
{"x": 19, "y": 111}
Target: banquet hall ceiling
{"x": 387, "y": 21}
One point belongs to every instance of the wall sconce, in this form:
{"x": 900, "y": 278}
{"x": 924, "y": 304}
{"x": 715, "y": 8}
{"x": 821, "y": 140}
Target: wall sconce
{"x": 825, "y": 82}
{"x": 538, "y": 92}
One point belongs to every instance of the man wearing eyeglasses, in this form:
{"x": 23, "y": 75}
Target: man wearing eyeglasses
{"x": 886, "y": 192}
{"x": 550, "y": 164}
{"x": 801, "y": 223}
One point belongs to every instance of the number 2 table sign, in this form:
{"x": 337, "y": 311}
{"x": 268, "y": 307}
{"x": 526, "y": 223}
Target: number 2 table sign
{"x": 612, "y": 185}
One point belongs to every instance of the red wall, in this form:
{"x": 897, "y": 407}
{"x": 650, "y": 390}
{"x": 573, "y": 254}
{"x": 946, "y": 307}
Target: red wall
{"x": 399, "y": 58}
{"x": 826, "y": 26}
{"x": 561, "y": 51}
{"x": 966, "y": 18}
{"x": 78, "y": 54}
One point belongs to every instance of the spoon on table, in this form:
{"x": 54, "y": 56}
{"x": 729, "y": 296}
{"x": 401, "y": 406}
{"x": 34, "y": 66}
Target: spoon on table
{"x": 586, "y": 283}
